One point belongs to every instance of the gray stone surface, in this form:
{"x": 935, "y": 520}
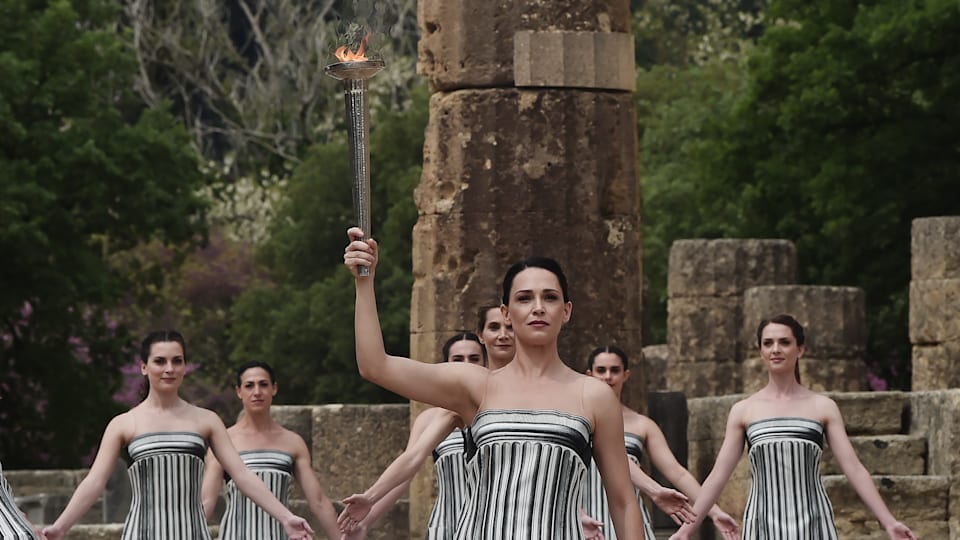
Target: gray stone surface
{"x": 936, "y": 414}
{"x": 551, "y": 58}
{"x": 727, "y": 267}
{"x": 705, "y": 379}
{"x": 470, "y": 44}
{"x": 934, "y": 311}
{"x": 900, "y": 455}
{"x": 703, "y": 329}
{"x": 935, "y": 248}
{"x": 918, "y": 501}
{"x": 936, "y": 367}
{"x": 655, "y": 365}
{"x": 834, "y": 318}
{"x": 820, "y": 375}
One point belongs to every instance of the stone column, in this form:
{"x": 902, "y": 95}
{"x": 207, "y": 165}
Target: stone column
{"x": 531, "y": 149}
{"x": 934, "y": 301}
{"x": 705, "y": 284}
{"x": 834, "y": 320}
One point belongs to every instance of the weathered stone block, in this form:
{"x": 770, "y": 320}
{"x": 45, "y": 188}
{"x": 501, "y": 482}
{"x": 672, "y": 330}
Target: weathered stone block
{"x": 95, "y": 532}
{"x": 703, "y": 329}
{"x": 820, "y": 375}
{"x": 708, "y": 417}
{"x": 872, "y": 413}
{"x": 600, "y": 60}
{"x": 727, "y": 267}
{"x": 935, "y": 248}
{"x": 469, "y": 44}
{"x": 899, "y": 455}
{"x": 936, "y": 415}
{"x": 933, "y": 311}
{"x": 655, "y": 364}
{"x": 936, "y": 367}
{"x": 920, "y": 502}
{"x": 353, "y": 444}
{"x": 834, "y": 318}
{"x": 705, "y": 379}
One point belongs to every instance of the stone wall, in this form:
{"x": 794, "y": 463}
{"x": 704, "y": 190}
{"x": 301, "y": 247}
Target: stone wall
{"x": 934, "y": 297}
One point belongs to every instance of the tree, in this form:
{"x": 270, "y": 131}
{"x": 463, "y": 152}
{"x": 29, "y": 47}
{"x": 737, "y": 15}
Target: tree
{"x": 301, "y": 319}
{"x": 86, "y": 171}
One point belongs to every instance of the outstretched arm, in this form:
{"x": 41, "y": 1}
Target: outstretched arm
{"x": 451, "y": 386}
{"x": 92, "y": 486}
{"x": 317, "y": 499}
{"x": 212, "y": 482}
{"x": 671, "y": 501}
{"x": 249, "y": 484}
{"x": 429, "y": 429}
{"x": 727, "y": 458}
{"x": 857, "y": 474}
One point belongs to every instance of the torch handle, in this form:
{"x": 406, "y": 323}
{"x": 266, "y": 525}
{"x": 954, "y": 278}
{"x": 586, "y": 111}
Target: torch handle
{"x": 358, "y": 132}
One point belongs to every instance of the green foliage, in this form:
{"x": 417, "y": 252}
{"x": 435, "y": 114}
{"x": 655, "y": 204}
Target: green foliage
{"x": 846, "y": 132}
{"x": 301, "y": 320}
{"x": 85, "y": 171}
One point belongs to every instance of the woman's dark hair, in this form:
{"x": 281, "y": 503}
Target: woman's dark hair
{"x": 795, "y": 327}
{"x": 482, "y": 316}
{"x": 160, "y": 336}
{"x": 255, "y": 364}
{"x": 608, "y": 349}
{"x": 157, "y": 336}
{"x": 545, "y": 263}
{"x": 462, "y": 336}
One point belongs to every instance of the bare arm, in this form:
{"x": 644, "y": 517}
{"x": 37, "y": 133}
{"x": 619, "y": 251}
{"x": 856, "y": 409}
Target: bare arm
{"x": 727, "y": 459}
{"x": 248, "y": 483}
{"x": 611, "y": 459}
{"x": 451, "y": 386}
{"x": 857, "y": 474}
{"x": 317, "y": 499}
{"x": 92, "y": 486}
{"x": 212, "y": 483}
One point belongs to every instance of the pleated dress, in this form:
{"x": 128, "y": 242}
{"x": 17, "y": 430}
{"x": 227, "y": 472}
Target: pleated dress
{"x": 530, "y": 466}
{"x": 166, "y": 471}
{"x": 787, "y": 500}
{"x": 243, "y": 519}
{"x": 595, "y": 498}
{"x": 452, "y": 488}
{"x": 12, "y": 523}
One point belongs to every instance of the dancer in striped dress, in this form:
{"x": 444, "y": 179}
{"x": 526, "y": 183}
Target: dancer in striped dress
{"x": 13, "y": 524}
{"x": 437, "y": 431}
{"x": 275, "y": 454}
{"x": 166, "y": 438}
{"x": 786, "y": 425}
{"x": 535, "y": 406}
{"x": 610, "y": 364}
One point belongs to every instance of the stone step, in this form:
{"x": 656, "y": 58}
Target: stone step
{"x": 918, "y": 501}
{"x": 903, "y": 455}
{"x": 872, "y": 413}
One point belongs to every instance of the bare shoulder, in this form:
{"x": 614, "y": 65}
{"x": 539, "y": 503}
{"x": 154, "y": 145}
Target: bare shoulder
{"x": 826, "y": 408}
{"x": 595, "y": 389}
{"x": 122, "y": 425}
{"x": 292, "y": 443}
{"x": 635, "y": 422}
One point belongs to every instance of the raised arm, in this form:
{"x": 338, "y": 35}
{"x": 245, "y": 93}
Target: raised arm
{"x": 857, "y": 474}
{"x": 320, "y": 504}
{"x": 212, "y": 484}
{"x": 296, "y": 527}
{"x": 451, "y": 386}
{"x": 611, "y": 458}
{"x": 92, "y": 486}
{"x": 429, "y": 429}
{"x": 727, "y": 459}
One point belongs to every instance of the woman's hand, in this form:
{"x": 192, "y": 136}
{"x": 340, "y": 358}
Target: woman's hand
{"x": 899, "y": 531}
{"x": 358, "y": 533}
{"x": 359, "y": 252}
{"x": 674, "y": 504}
{"x": 52, "y": 533}
{"x": 683, "y": 533}
{"x": 297, "y": 528}
{"x": 724, "y": 522}
{"x": 355, "y": 508}
{"x": 592, "y": 528}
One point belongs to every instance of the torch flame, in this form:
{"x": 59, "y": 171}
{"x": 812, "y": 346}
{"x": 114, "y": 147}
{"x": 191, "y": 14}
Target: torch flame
{"x": 344, "y": 54}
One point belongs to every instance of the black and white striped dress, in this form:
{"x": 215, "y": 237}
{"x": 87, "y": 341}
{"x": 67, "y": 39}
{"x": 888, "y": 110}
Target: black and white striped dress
{"x": 595, "y": 498}
{"x": 787, "y": 500}
{"x": 451, "y": 487}
{"x": 12, "y": 523}
{"x": 243, "y": 519}
{"x": 530, "y": 466}
{"x": 166, "y": 471}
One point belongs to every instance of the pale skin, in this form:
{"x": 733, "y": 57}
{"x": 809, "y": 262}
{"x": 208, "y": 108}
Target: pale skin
{"x": 256, "y": 430}
{"x": 783, "y": 396}
{"x": 430, "y": 428}
{"x": 163, "y": 411}
{"x": 536, "y": 379}
{"x": 609, "y": 368}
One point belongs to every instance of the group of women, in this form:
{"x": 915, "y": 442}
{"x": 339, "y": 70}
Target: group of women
{"x": 524, "y": 447}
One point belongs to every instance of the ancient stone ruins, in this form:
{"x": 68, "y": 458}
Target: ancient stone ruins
{"x": 531, "y": 149}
